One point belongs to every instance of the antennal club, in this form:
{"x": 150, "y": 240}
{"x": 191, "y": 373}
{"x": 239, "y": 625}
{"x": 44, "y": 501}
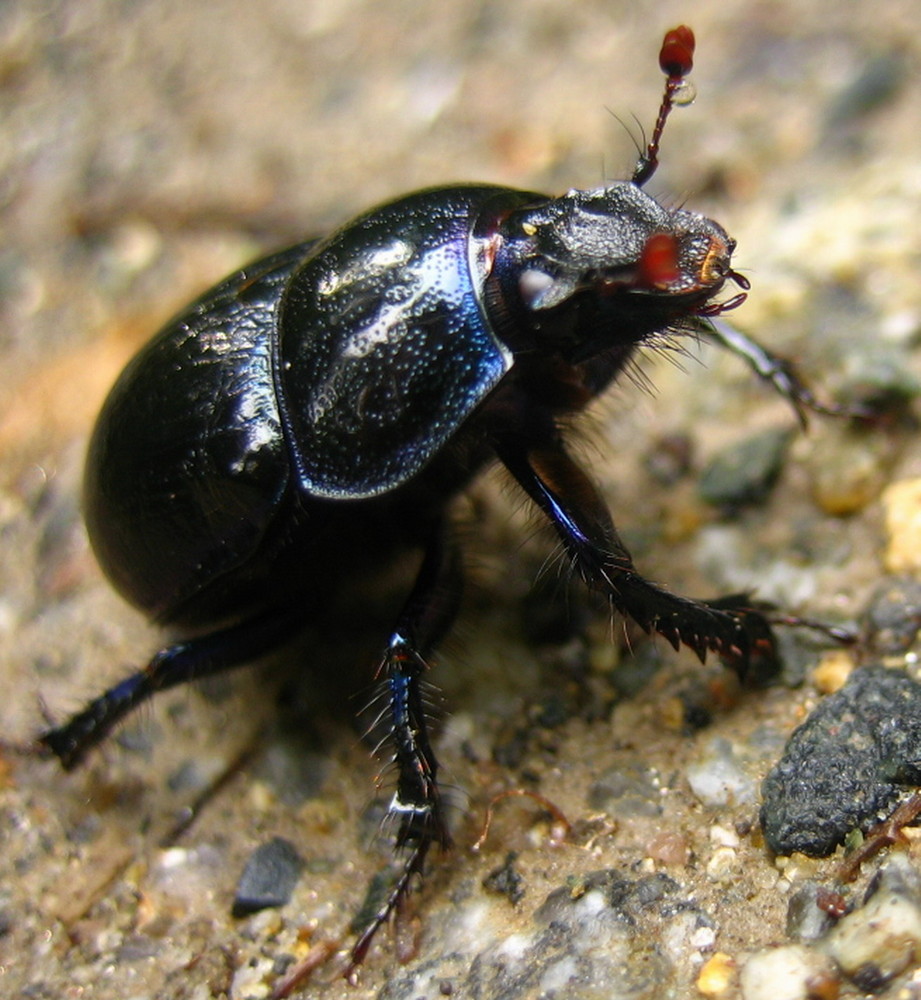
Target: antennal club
{"x": 676, "y": 57}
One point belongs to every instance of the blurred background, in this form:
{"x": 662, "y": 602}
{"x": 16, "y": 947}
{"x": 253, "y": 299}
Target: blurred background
{"x": 147, "y": 148}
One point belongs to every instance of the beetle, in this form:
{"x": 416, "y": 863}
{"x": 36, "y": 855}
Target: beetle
{"x": 311, "y": 417}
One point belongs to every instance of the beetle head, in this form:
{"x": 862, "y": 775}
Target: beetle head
{"x": 612, "y": 265}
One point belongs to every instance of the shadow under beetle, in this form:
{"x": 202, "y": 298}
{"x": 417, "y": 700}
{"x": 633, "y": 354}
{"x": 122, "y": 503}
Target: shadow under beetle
{"x": 312, "y": 416}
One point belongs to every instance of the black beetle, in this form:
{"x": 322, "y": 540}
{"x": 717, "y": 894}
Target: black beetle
{"x": 311, "y": 417}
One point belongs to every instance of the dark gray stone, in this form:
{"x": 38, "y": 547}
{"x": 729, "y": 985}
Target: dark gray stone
{"x": 745, "y": 472}
{"x": 845, "y": 764}
{"x": 269, "y": 877}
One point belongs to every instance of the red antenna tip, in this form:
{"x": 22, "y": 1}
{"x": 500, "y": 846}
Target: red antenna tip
{"x": 676, "y": 57}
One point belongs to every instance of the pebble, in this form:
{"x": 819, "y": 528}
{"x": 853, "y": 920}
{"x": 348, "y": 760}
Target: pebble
{"x": 723, "y": 836}
{"x": 807, "y": 921}
{"x": 251, "y": 980}
{"x": 506, "y": 880}
{"x": 833, "y": 670}
{"x": 902, "y": 508}
{"x": 845, "y": 764}
{"x": 669, "y": 847}
{"x": 590, "y": 941}
{"x": 626, "y": 791}
{"x": 744, "y": 473}
{"x": 893, "y": 616}
{"x": 791, "y": 972}
{"x": 183, "y": 875}
{"x": 847, "y": 473}
{"x": 882, "y": 938}
{"x": 269, "y": 878}
{"x": 716, "y": 976}
{"x": 719, "y": 779}
{"x": 724, "y": 866}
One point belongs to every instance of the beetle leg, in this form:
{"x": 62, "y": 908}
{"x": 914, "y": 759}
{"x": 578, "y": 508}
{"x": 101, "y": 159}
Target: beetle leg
{"x": 426, "y": 616}
{"x": 731, "y": 627}
{"x": 780, "y": 373}
{"x": 177, "y": 664}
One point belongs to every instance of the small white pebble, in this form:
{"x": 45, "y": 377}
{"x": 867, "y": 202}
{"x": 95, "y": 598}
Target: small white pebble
{"x": 786, "y": 973}
{"x": 722, "y": 836}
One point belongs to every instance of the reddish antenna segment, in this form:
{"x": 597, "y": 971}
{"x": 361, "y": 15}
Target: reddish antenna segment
{"x": 676, "y": 57}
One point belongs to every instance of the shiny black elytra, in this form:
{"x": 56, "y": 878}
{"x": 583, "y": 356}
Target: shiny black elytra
{"x": 311, "y": 417}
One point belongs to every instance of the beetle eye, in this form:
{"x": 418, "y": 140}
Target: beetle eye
{"x": 658, "y": 263}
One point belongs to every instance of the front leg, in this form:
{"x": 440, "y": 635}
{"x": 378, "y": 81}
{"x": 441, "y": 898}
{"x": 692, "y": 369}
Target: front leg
{"x": 731, "y": 627}
{"x": 778, "y": 372}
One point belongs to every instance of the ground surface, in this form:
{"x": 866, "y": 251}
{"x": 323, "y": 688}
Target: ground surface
{"x": 145, "y": 150}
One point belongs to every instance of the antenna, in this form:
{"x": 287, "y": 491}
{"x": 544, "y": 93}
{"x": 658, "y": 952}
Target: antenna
{"x": 676, "y": 57}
